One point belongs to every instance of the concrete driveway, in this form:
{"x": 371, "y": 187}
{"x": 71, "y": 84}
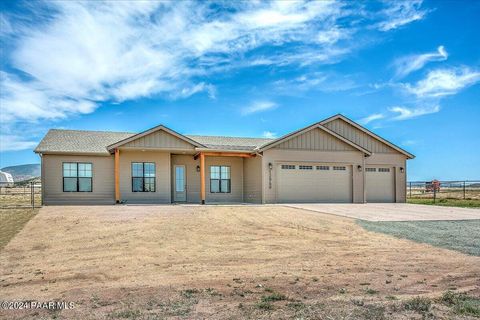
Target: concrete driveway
{"x": 392, "y": 211}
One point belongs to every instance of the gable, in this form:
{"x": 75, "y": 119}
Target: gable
{"x": 358, "y": 136}
{"x": 159, "y": 140}
{"x": 315, "y": 139}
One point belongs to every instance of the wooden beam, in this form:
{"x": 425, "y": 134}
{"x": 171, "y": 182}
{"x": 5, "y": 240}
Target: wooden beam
{"x": 117, "y": 175}
{"x": 229, "y": 154}
{"x": 202, "y": 177}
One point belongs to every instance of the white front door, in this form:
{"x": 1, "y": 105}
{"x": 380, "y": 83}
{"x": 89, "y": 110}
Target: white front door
{"x": 180, "y": 193}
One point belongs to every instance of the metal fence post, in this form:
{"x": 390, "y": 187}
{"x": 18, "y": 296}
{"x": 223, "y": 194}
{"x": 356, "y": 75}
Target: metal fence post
{"x": 410, "y": 189}
{"x": 463, "y": 190}
{"x": 434, "y": 193}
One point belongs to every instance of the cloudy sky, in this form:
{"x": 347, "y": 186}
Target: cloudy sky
{"x": 409, "y": 71}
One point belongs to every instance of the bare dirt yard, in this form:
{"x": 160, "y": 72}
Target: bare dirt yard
{"x": 228, "y": 262}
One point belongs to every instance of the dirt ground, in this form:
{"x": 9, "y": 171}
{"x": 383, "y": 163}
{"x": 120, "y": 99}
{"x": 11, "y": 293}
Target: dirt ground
{"x": 220, "y": 262}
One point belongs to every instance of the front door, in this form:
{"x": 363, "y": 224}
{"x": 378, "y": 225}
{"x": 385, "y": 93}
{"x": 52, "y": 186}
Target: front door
{"x": 180, "y": 194}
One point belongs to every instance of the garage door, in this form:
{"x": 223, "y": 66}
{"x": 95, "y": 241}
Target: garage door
{"x": 380, "y": 184}
{"x": 316, "y": 182}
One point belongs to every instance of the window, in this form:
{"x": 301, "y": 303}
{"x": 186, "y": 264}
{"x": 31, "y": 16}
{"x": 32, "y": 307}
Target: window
{"x": 340, "y": 168}
{"x": 371, "y": 169}
{"x": 323, "y": 168}
{"x": 383, "y": 169}
{"x": 77, "y": 177}
{"x": 305, "y": 167}
{"x": 220, "y": 179}
{"x": 143, "y": 177}
{"x": 288, "y": 166}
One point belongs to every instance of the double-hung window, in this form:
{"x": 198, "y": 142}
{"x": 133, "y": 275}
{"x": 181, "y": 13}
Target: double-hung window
{"x": 143, "y": 177}
{"x": 220, "y": 179}
{"x": 77, "y": 177}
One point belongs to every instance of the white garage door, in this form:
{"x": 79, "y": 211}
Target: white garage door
{"x": 380, "y": 184}
{"x": 316, "y": 182}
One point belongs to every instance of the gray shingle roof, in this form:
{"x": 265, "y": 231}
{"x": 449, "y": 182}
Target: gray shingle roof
{"x": 79, "y": 141}
{"x": 229, "y": 143}
{"x": 96, "y": 142}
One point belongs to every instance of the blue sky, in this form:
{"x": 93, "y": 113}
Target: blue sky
{"x": 409, "y": 71}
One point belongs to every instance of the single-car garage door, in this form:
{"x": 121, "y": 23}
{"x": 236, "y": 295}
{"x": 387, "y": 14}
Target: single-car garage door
{"x": 316, "y": 182}
{"x": 380, "y": 184}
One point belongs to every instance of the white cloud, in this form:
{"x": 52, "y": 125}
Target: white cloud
{"x": 269, "y": 134}
{"x": 400, "y": 13}
{"x": 73, "y": 56}
{"x": 316, "y": 81}
{"x": 404, "y": 113}
{"x": 370, "y": 118}
{"x": 408, "y": 64}
{"x": 259, "y": 106}
{"x": 15, "y": 143}
{"x": 443, "y": 82}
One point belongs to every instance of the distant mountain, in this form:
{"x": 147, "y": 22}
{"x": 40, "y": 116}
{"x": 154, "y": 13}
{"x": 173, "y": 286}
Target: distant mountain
{"x": 24, "y": 171}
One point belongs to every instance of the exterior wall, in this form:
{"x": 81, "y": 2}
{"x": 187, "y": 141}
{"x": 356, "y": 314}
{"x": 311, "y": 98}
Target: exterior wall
{"x": 236, "y": 176}
{"x": 315, "y": 139}
{"x": 162, "y": 192}
{"x": 103, "y": 185}
{"x": 359, "y": 137}
{"x": 276, "y": 156}
{"x": 159, "y": 140}
{"x": 252, "y": 180}
{"x": 397, "y": 161}
{"x": 192, "y": 176}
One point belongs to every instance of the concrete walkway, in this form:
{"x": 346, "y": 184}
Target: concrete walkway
{"x": 392, "y": 211}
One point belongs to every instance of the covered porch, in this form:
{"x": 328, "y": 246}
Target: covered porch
{"x": 191, "y": 176}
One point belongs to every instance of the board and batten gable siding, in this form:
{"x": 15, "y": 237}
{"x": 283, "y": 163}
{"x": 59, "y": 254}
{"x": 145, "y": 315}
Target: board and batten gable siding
{"x": 252, "y": 180}
{"x": 162, "y": 192}
{"x": 103, "y": 184}
{"x": 315, "y": 139}
{"x": 159, "y": 140}
{"x": 358, "y": 137}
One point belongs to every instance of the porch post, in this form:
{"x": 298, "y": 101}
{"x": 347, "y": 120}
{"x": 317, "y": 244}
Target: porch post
{"x": 202, "y": 177}
{"x": 117, "y": 175}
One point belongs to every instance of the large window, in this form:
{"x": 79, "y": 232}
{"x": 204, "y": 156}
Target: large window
{"x": 220, "y": 179}
{"x": 143, "y": 177}
{"x": 77, "y": 177}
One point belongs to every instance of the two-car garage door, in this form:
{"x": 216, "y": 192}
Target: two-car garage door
{"x": 314, "y": 182}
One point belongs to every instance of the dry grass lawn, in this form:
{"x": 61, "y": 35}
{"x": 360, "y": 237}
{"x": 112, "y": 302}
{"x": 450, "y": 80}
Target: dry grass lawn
{"x": 150, "y": 262}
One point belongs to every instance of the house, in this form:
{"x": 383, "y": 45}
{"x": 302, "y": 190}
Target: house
{"x": 334, "y": 160}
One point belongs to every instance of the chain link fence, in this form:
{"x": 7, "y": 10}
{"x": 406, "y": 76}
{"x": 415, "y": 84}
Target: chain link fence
{"x": 436, "y": 189}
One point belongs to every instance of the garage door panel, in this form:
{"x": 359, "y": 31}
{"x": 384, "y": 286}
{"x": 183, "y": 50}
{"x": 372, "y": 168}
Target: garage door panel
{"x": 314, "y": 183}
{"x": 380, "y": 184}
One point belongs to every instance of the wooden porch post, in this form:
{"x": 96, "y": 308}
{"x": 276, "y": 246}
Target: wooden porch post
{"x": 202, "y": 177}
{"x": 117, "y": 175}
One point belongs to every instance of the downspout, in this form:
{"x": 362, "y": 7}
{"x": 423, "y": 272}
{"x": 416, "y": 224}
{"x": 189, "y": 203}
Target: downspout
{"x": 364, "y": 182}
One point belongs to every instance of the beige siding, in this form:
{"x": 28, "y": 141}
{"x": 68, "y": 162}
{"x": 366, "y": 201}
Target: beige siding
{"x": 236, "y": 169}
{"x": 192, "y": 176}
{"x": 252, "y": 180}
{"x": 102, "y": 180}
{"x": 162, "y": 192}
{"x": 275, "y": 156}
{"x": 315, "y": 139}
{"x": 396, "y": 161}
{"x": 159, "y": 140}
{"x": 359, "y": 137}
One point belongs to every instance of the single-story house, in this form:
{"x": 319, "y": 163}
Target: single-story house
{"x": 334, "y": 160}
